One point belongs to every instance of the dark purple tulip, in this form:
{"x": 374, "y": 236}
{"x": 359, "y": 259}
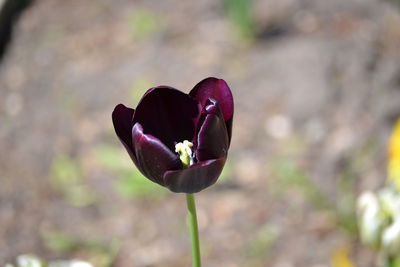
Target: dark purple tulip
{"x": 166, "y": 116}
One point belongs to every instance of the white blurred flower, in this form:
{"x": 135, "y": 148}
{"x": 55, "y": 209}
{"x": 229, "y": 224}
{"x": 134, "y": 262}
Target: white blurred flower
{"x": 34, "y": 261}
{"x": 29, "y": 261}
{"x": 367, "y": 202}
{"x": 370, "y": 219}
{"x": 391, "y": 238}
{"x": 390, "y": 201}
{"x": 72, "y": 263}
{"x": 379, "y": 219}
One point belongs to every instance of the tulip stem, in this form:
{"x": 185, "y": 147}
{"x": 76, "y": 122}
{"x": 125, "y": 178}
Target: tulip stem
{"x": 194, "y": 231}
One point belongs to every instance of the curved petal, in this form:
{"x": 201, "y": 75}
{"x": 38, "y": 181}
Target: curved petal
{"x": 219, "y": 90}
{"x": 153, "y": 157}
{"x": 195, "y": 178}
{"x": 212, "y": 138}
{"x": 167, "y": 114}
{"x": 122, "y": 120}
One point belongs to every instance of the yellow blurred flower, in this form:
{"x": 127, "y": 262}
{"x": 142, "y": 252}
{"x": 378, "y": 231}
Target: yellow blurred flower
{"x": 340, "y": 257}
{"x": 394, "y": 156}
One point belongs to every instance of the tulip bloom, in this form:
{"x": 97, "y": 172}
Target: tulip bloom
{"x": 179, "y": 140}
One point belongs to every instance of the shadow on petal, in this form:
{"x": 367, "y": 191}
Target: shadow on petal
{"x": 168, "y": 114}
{"x": 219, "y": 90}
{"x": 153, "y": 157}
{"x": 122, "y": 121}
{"x": 212, "y": 138}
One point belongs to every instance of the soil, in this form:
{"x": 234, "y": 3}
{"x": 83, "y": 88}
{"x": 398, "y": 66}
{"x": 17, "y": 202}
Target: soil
{"x": 317, "y": 91}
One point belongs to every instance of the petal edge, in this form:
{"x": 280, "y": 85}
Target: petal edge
{"x": 195, "y": 178}
{"x": 212, "y": 137}
{"x": 219, "y": 90}
{"x": 153, "y": 157}
{"x": 122, "y": 121}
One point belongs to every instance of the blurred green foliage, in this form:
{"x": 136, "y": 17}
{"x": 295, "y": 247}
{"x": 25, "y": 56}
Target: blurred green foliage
{"x": 68, "y": 178}
{"x": 258, "y": 248}
{"x": 227, "y": 171}
{"x": 61, "y": 242}
{"x": 69, "y": 101}
{"x": 396, "y": 261}
{"x": 138, "y": 88}
{"x": 289, "y": 175}
{"x": 134, "y": 184}
{"x": 112, "y": 158}
{"x": 345, "y": 204}
{"x": 131, "y": 182}
{"x": 397, "y": 3}
{"x": 144, "y": 23}
{"x": 101, "y": 254}
{"x": 346, "y": 198}
{"x": 240, "y": 14}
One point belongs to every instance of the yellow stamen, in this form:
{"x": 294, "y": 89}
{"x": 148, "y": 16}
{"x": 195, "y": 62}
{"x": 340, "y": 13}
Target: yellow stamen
{"x": 185, "y": 152}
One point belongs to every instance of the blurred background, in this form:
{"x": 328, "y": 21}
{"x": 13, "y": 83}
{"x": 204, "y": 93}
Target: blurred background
{"x": 316, "y": 87}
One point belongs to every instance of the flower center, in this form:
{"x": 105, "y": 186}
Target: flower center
{"x": 185, "y": 152}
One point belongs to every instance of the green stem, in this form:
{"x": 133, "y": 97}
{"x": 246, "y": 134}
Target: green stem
{"x": 194, "y": 231}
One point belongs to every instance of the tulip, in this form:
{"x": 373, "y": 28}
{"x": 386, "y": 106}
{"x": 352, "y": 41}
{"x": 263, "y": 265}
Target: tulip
{"x": 179, "y": 140}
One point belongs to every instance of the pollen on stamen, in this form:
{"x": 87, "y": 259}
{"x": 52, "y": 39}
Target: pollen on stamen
{"x": 185, "y": 152}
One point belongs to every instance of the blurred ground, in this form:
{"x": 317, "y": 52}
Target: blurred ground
{"x": 316, "y": 86}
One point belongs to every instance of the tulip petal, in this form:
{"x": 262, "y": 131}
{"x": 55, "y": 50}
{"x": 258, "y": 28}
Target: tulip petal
{"x": 153, "y": 157}
{"x": 122, "y": 120}
{"x": 219, "y": 90}
{"x": 195, "y": 178}
{"x": 167, "y": 114}
{"x": 212, "y": 137}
